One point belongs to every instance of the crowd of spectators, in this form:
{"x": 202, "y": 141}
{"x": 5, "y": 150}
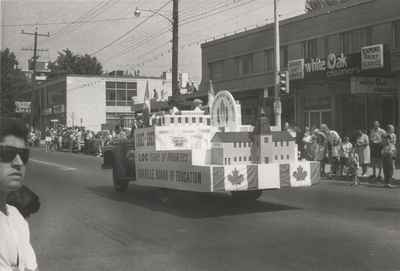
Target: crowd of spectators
{"x": 73, "y": 139}
{"x": 352, "y": 155}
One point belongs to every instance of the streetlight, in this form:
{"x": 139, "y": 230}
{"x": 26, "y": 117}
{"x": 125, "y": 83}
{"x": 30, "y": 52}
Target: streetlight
{"x": 174, "y": 22}
{"x": 138, "y": 12}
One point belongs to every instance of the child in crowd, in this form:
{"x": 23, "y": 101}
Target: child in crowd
{"x": 353, "y": 166}
{"x": 388, "y": 155}
{"x": 345, "y": 149}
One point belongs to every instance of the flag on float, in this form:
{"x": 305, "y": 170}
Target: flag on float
{"x": 264, "y": 176}
{"x": 235, "y": 178}
{"x": 297, "y": 174}
{"x": 211, "y": 94}
{"x": 147, "y": 105}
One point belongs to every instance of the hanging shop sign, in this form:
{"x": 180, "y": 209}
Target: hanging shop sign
{"x": 372, "y": 57}
{"x": 296, "y": 69}
{"x": 47, "y": 111}
{"x": 22, "y": 107}
{"x": 58, "y": 108}
{"x": 372, "y": 85}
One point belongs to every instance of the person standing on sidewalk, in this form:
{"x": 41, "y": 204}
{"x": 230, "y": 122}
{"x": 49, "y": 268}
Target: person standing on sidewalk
{"x": 363, "y": 151}
{"x": 353, "y": 166}
{"x": 388, "y": 155}
{"x": 320, "y": 150}
{"x": 390, "y": 132}
{"x": 334, "y": 142}
{"x": 345, "y": 151}
{"x": 376, "y": 139}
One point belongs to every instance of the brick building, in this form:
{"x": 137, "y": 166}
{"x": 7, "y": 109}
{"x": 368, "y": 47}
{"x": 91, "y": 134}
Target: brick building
{"x": 344, "y": 64}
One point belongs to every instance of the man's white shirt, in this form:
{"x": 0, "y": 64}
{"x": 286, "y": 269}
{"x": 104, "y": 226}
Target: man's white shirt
{"x": 16, "y": 252}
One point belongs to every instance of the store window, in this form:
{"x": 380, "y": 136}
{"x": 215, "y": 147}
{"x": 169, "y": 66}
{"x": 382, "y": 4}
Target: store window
{"x": 269, "y": 60}
{"x": 345, "y": 42}
{"x": 284, "y": 56}
{"x": 310, "y": 48}
{"x": 352, "y": 41}
{"x": 396, "y": 34}
{"x": 120, "y": 93}
{"x": 216, "y": 70}
{"x": 244, "y": 65}
{"x": 314, "y": 118}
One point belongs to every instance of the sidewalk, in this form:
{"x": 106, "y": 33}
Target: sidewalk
{"x": 372, "y": 181}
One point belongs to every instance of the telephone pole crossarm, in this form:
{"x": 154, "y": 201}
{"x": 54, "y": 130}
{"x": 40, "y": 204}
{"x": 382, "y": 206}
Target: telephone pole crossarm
{"x": 35, "y": 100}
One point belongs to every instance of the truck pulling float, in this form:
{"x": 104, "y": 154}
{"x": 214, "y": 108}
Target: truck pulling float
{"x": 211, "y": 152}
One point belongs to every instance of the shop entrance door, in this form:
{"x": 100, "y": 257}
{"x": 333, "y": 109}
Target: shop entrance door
{"x": 314, "y": 118}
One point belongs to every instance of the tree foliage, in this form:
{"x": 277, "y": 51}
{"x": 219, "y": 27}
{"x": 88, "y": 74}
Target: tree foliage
{"x": 13, "y": 81}
{"x": 313, "y": 5}
{"x": 68, "y": 62}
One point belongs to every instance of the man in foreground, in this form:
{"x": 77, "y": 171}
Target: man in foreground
{"x": 16, "y": 252}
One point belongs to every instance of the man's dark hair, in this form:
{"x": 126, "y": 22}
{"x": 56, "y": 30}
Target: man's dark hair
{"x": 13, "y": 126}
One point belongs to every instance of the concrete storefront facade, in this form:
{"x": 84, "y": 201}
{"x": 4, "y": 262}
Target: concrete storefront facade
{"x": 344, "y": 65}
{"x": 96, "y": 102}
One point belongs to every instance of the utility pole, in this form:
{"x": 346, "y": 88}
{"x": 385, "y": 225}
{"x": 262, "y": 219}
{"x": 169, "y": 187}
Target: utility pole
{"x": 175, "y": 33}
{"x": 35, "y": 98}
{"x": 277, "y": 99}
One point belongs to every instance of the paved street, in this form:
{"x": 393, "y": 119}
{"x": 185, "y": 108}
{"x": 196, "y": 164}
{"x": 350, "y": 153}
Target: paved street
{"x": 84, "y": 225}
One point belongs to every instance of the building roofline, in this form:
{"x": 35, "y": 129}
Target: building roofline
{"x": 112, "y": 76}
{"x": 295, "y": 19}
{"x": 52, "y": 82}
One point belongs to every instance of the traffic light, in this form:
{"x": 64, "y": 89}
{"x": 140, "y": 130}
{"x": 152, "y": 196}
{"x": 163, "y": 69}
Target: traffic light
{"x": 284, "y": 82}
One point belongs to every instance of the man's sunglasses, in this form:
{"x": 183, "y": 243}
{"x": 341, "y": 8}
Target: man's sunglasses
{"x": 8, "y": 154}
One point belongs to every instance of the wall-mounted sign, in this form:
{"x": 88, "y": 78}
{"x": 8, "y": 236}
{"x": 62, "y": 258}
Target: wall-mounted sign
{"x": 296, "y": 69}
{"x": 58, "y": 108}
{"x": 334, "y": 65}
{"x": 47, "y": 111}
{"x": 372, "y": 57}
{"x": 22, "y": 107}
{"x": 372, "y": 85}
{"x": 338, "y": 65}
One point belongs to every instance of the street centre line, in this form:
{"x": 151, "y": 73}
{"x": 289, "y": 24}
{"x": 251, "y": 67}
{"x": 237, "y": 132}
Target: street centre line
{"x": 62, "y": 167}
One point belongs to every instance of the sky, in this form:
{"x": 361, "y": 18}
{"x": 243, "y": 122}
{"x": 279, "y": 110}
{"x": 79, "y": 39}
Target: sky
{"x": 108, "y": 29}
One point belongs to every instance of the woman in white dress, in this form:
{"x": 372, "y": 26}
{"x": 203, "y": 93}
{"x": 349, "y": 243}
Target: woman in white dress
{"x": 363, "y": 151}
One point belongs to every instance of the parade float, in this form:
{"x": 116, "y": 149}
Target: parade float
{"x": 212, "y": 151}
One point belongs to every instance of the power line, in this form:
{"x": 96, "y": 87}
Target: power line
{"x": 193, "y": 19}
{"x": 71, "y": 22}
{"x": 130, "y": 30}
{"x": 189, "y": 44}
{"x": 96, "y": 14}
{"x": 86, "y": 14}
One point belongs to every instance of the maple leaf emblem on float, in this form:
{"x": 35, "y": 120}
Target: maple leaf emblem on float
{"x": 300, "y": 174}
{"x": 235, "y": 178}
